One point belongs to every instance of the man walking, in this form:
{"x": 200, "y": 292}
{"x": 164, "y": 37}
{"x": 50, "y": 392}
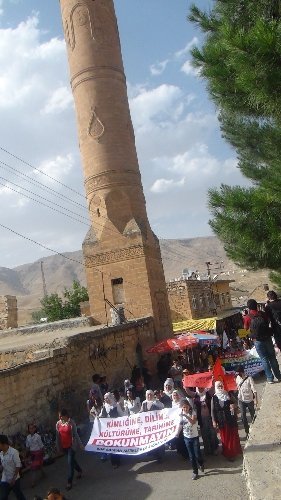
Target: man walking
{"x": 247, "y": 397}
{"x": 257, "y": 324}
{"x": 273, "y": 311}
{"x": 11, "y": 465}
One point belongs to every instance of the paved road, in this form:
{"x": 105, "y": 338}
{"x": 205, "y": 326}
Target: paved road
{"x": 136, "y": 480}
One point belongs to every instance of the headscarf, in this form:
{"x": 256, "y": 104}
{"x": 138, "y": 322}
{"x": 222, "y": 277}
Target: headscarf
{"x": 175, "y": 403}
{"x": 202, "y": 394}
{"x": 148, "y": 402}
{"x": 169, "y": 381}
{"x": 112, "y": 402}
{"x": 221, "y": 394}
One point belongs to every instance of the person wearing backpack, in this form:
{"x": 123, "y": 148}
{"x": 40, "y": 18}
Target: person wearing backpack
{"x": 256, "y": 322}
{"x": 273, "y": 311}
{"x": 247, "y": 396}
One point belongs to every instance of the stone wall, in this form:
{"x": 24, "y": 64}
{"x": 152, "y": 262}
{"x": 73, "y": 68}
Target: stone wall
{"x": 61, "y": 377}
{"x": 8, "y": 312}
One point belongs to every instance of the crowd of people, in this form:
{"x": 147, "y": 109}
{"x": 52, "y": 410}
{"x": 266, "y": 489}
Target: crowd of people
{"x": 210, "y": 413}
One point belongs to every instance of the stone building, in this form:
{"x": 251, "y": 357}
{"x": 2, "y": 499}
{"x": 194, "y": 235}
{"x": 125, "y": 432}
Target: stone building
{"x": 8, "y": 312}
{"x": 196, "y": 299}
{"x": 122, "y": 254}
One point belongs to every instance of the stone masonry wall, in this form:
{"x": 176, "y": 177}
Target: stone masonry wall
{"x": 34, "y": 391}
{"x": 8, "y": 312}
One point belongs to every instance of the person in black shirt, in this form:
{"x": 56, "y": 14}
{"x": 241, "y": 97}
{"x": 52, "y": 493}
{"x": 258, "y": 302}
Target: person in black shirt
{"x": 273, "y": 311}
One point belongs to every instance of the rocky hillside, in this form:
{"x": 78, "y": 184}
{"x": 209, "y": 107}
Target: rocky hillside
{"x": 26, "y": 281}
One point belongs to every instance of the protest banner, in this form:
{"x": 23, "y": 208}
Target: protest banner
{"x": 204, "y": 379}
{"x": 136, "y": 434}
{"x": 250, "y": 362}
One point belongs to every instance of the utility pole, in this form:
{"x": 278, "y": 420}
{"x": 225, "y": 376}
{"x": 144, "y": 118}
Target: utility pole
{"x": 43, "y": 279}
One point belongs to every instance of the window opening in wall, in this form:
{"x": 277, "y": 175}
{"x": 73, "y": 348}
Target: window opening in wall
{"x": 222, "y": 299}
{"x": 118, "y": 291}
{"x": 98, "y": 212}
{"x": 228, "y": 300}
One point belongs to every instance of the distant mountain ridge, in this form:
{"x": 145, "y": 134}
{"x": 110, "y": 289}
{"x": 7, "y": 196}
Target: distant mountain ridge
{"x": 25, "y": 281}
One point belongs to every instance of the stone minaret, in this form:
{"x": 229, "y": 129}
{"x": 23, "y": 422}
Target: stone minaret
{"x": 122, "y": 254}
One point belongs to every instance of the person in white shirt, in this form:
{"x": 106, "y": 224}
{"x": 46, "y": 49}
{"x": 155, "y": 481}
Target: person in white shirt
{"x": 247, "y": 396}
{"x": 132, "y": 403}
{"x": 11, "y": 464}
{"x": 188, "y": 425}
{"x": 35, "y": 450}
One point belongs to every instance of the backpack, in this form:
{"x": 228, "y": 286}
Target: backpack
{"x": 276, "y": 317}
{"x": 259, "y": 327}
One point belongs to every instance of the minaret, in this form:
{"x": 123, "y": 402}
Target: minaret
{"x": 122, "y": 254}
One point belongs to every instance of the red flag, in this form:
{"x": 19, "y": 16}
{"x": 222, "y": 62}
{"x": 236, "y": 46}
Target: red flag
{"x": 198, "y": 380}
{"x": 228, "y": 379}
{"x": 218, "y": 371}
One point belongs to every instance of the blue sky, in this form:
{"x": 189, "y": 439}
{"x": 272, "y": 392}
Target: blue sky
{"x": 181, "y": 153}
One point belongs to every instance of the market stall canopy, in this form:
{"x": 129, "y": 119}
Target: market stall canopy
{"x": 203, "y": 338}
{"x": 174, "y": 344}
{"x": 195, "y": 324}
{"x": 203, "y": 323}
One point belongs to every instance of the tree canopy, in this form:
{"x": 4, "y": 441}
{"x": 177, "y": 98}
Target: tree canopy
{"x": 241, "y": 62}
{"x": 55, "y": 308}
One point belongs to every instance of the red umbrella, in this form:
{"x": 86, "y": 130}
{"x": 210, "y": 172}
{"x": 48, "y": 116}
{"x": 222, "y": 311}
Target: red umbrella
{"x": 173, "y": 344}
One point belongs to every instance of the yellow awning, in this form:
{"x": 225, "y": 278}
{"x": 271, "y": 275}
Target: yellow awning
{"x": 195, "y": 324}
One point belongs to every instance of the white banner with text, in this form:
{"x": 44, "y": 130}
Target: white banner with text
{"x": 136, "y": 434}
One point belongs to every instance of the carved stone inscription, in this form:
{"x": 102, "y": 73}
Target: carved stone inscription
{"x": 114, "y": 256}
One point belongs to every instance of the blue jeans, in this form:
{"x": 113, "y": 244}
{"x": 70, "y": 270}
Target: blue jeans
{"x": 72, "y": 464}
{"x": 193, "y": 448}
{"x": 265, "y": 350}
{"x": 6, "y": 488}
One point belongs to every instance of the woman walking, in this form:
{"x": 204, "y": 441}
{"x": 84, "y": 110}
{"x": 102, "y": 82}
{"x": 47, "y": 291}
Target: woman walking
{"x": 188, "y": 425}
{"x": 68, "y": 441}
{"x": 35, "y": 449}
{"x": 225, "y": 419}
{"x": 202, "y": 404}
{"x": 111, "y": 409}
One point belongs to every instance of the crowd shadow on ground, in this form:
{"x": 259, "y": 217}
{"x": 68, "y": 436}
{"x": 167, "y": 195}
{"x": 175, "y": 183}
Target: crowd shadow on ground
{"x": 100, "y": 481}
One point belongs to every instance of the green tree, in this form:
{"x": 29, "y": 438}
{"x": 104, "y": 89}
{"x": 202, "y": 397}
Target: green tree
{"x": 240, "y": 61}
{"x": 55, "y": 308}
{"x": 37, "y": 315}
{"x": 73, "y": 297}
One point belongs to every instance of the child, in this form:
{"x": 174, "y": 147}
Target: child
{"x": 35, "y": 449}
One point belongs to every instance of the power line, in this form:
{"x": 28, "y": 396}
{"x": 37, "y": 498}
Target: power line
{"x": 65, "y": 257}
{"x": 61, "y": 195}
{"x": 38, "y": 183}
{"x": 40, "y": 171}
{"x": 181, "y": 256}
{"x": 44, "y": 204}
{"x": 39, "y": 196}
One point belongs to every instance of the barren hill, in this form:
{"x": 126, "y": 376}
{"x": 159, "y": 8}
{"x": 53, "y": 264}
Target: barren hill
{"x": 26, "y": 281}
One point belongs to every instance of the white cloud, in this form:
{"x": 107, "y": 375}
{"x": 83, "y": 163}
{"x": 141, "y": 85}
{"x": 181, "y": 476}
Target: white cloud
{"x": 34, "y": 92}
{"x": 57, "y": 168}
{"x": 161, "y": 103}
{"x": 165, "y": 185}
{"x": 159, "y": 67}
{"x": 182, "y": 53}
{"x": 60, "y": 100}
{"x": 188, "y": 69}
